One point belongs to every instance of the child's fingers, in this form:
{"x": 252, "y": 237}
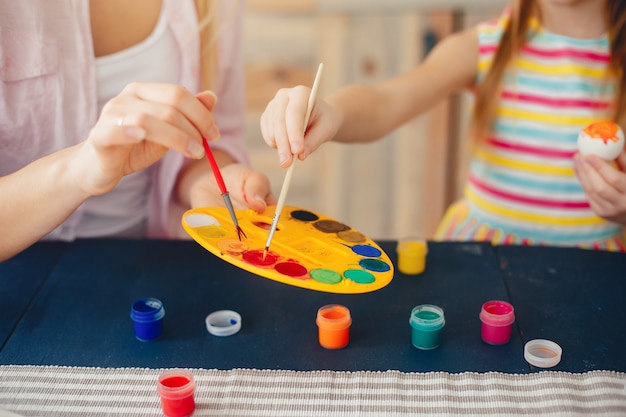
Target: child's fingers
{"x": 602, "y": 195}
{"x": 278, "y": 128}
{"x": 295, "y": 115}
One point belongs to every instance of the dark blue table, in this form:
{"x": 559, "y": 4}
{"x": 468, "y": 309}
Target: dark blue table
{"x": 80, "y": 315}
{"x": 574, "y": 297}
{"x": 20, "y": 279}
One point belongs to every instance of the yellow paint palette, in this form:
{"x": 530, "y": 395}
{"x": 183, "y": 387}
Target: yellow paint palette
{"x": 308, "y": 250}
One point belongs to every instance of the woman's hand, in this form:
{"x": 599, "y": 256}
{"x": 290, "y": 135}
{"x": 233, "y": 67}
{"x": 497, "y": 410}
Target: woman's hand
{"x": 604, "y": 185}
{"x": 247, "y": 188}
{"x": 137, "y": 127}
{"x": 282, "y": 124}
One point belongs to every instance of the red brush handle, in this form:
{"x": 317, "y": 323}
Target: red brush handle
{"x": 214, "y": 167}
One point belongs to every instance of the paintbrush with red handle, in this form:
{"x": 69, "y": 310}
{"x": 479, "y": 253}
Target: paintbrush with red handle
{"x": 220, "y": 183}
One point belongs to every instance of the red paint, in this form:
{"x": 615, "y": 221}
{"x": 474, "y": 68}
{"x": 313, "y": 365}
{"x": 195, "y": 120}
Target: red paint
{"x": 175, "y": 382}
{"x": 176, "y": 391}
{"x": 291, "y": 269}
{"x": 257, "y": 258}
{"x": 263, "y": 225}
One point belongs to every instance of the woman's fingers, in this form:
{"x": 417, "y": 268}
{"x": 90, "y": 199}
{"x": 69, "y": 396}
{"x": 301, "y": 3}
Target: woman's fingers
{"x": 172, "y": 120}
{"x": 192, "y": 107}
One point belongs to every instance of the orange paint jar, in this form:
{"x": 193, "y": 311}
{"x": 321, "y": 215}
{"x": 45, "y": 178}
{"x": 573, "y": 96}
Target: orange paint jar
{"x": 333, "y": 322}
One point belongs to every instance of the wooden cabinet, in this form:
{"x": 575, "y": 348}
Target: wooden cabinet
{"x": 401, "y": 184}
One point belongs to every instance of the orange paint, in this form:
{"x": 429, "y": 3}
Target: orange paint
{"x": 334, "y": 322}
{"x": 604, "y": 130}
{"x": 232, "y": 246}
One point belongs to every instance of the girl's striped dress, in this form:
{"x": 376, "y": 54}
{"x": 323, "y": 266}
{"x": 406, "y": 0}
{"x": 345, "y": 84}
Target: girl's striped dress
{"x": 521, "y": 187}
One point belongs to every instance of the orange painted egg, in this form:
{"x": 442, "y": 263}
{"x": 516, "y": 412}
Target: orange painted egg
{"x": 603, "y": 138}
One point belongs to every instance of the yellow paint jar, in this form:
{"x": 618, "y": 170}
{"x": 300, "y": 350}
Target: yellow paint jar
{"x": 412, "y": 255}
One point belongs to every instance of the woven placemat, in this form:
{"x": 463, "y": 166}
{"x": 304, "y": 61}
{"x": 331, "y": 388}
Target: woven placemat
{"x": 74, "y": 391}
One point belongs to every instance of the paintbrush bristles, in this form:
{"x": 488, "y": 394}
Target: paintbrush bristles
{"x": 287, "y": 182}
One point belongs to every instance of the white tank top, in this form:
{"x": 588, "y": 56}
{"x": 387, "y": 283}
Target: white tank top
{"x": 123, "y": 211}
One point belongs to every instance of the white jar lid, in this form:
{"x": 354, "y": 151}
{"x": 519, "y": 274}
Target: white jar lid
{"x": 542, "y": 353}
{"x": 223, "y": 323}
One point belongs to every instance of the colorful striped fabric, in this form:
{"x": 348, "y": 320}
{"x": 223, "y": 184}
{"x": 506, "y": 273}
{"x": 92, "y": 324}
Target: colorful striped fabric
{"x": 521, "y": 188}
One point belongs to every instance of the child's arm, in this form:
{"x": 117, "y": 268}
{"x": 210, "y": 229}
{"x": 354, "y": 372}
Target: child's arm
{"x": 364, "y": 113}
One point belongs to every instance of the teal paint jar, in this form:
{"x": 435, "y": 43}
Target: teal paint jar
{"x": 427, "y": 323}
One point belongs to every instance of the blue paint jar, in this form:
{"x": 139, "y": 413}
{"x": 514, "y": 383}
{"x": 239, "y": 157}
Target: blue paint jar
{"x": 147, "y": 315}
{"x": 427, "y": 323}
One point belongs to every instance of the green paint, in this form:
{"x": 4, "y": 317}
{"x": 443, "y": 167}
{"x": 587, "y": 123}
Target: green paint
{"x": 427, "y": 315}
{"x": 359, "y": 276}
{"x": 325, "y": 276}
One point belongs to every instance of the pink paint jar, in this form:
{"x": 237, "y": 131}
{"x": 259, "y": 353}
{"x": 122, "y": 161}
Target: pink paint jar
{"x": 497, "y": 318}
{"x": 176, "y": 388}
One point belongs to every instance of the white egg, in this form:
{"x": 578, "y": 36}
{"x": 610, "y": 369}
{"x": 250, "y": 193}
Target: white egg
{"x": 603, "y": 138}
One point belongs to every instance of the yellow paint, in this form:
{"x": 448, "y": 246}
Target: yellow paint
{"x": 412, "y": 256}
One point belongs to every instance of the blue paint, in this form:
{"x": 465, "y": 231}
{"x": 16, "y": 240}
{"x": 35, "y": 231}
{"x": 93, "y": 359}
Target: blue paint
{"x": 366, "y": 250}
{"x": 147, "y": 315}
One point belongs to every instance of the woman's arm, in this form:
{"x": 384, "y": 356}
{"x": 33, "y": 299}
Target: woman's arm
{"x": 134, "y": 130}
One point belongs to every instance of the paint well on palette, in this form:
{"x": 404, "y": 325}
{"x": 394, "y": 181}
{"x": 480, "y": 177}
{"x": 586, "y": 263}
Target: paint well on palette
{"x": 366, "y": 250}
{"x": 303, "y": 215}
{"x": 212, "y": 232}
{"x": 359, "y": 276}
{"x": 375, "y": 265}
{"x": 352, "y": 236}
{"x": 291, "y": 269}
{"x": 326, "y": 276}
{"x": 330, "y": 226}
{"x": 263, "y": 225}
{"x": 257, "y": 257}
{"x": 232, "y": 246}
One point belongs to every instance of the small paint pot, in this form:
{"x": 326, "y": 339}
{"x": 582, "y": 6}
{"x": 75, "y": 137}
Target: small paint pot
{"x": 497, "y": 318}
{"x": 333, "y": 322}
{"x": 147, "y": 315}
{"x": 176, "y": 389}
{"x": 412, "y": 255}
{"x": 427, "y": 323}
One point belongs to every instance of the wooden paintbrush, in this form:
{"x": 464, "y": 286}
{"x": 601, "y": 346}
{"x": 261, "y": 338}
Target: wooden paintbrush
{"x": 220, "y": 183}
{"x": 289, "y": 174}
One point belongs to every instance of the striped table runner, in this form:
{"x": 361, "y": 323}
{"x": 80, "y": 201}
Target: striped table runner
{"x": 74, "y": 391}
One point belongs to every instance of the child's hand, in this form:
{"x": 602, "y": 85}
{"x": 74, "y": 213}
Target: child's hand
{"x": 247, "y": 189}
{"x": 604, "y": 186}
{"x": 282, "y": 124}
{"x": 137, "y": 127}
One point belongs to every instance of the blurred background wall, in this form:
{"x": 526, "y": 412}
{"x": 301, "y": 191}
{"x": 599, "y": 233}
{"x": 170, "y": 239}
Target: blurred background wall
{"x": 398, "y": 186}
